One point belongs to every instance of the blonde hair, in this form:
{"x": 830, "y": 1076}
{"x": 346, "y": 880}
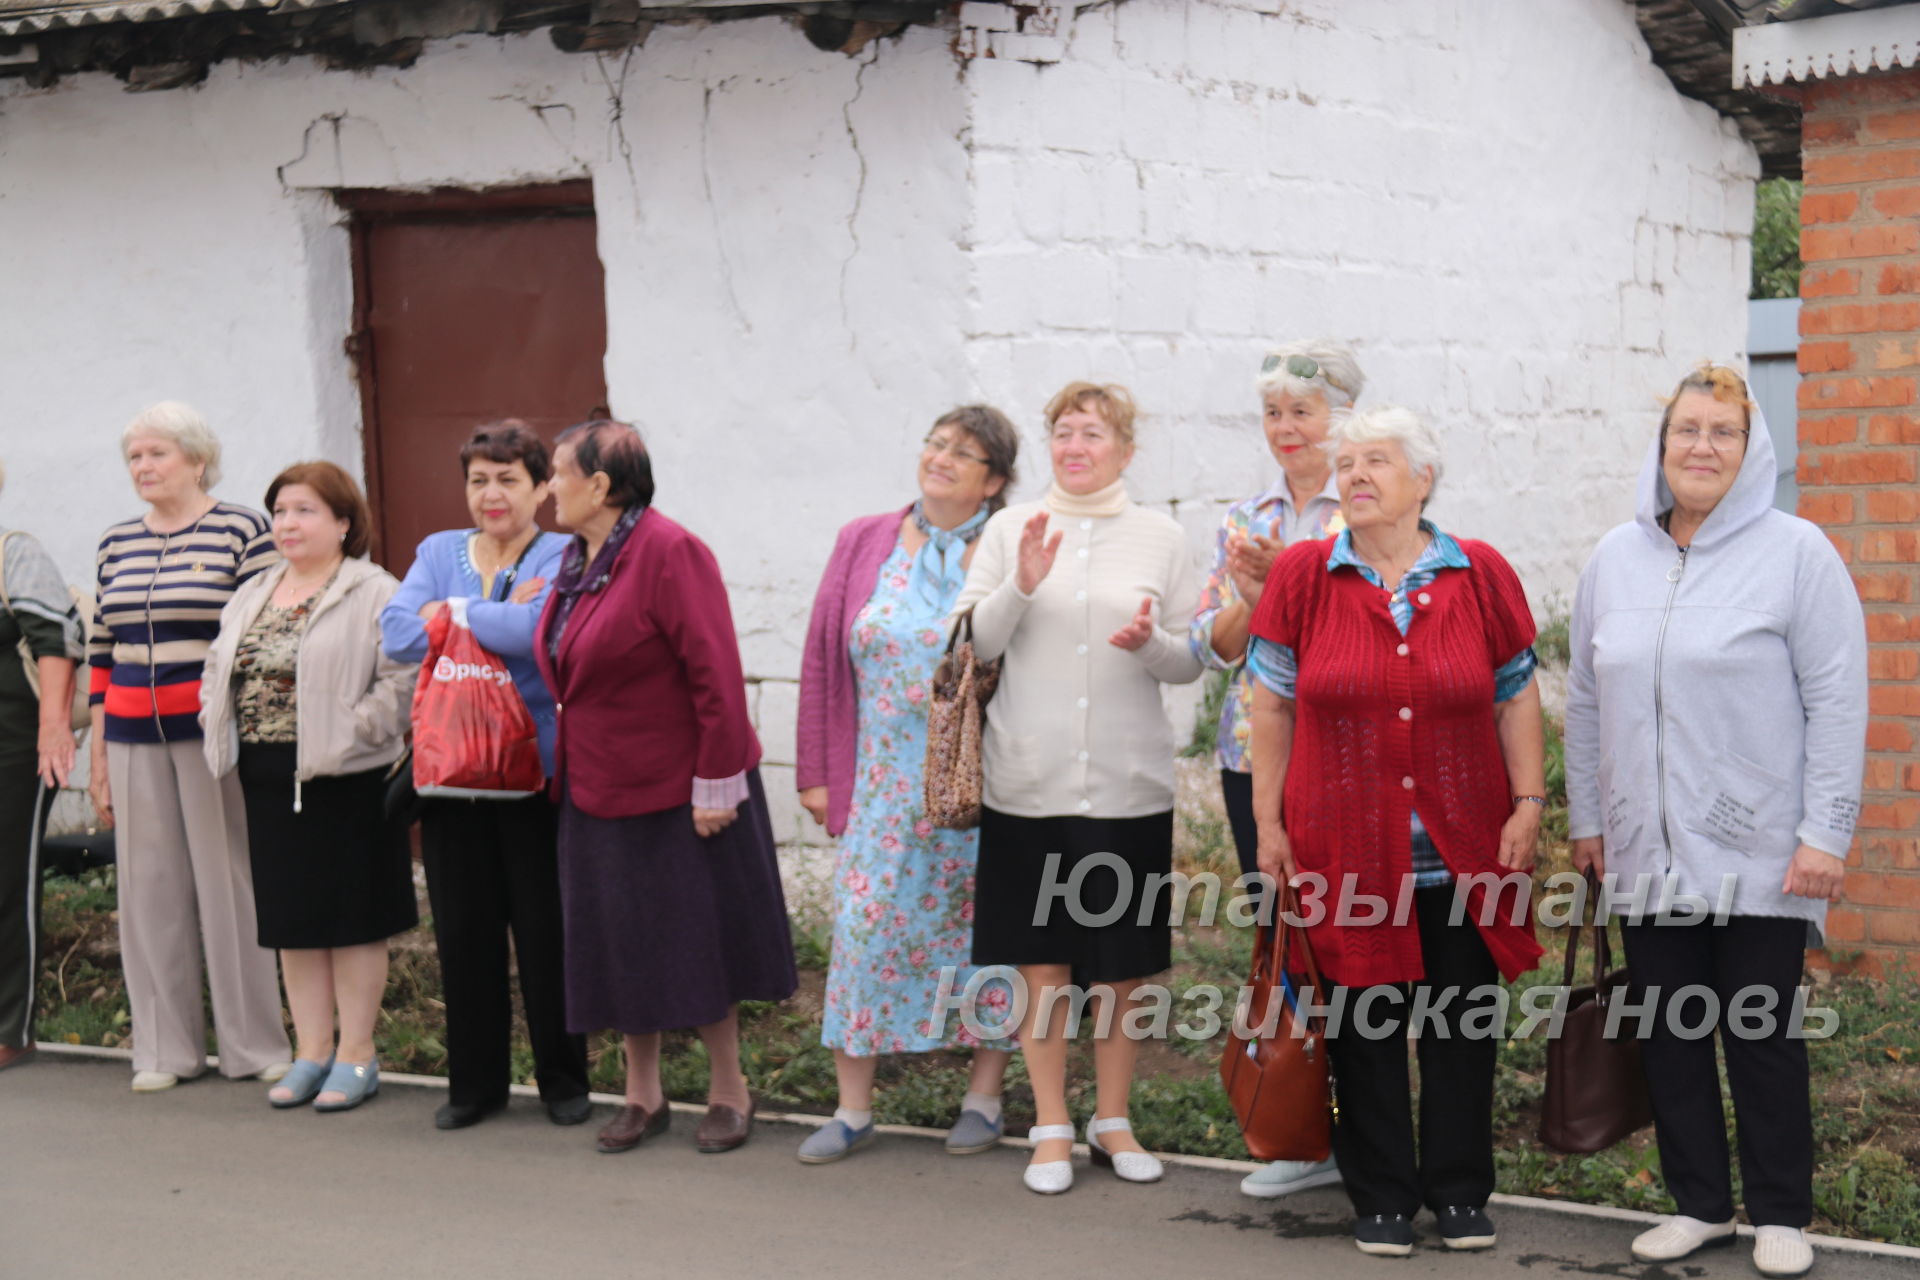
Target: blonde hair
{"x": 180, "y": 424}
{"x": 1113, "y": 402}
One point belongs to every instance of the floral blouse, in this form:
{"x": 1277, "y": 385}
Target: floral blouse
{"x": 264, "y": 669}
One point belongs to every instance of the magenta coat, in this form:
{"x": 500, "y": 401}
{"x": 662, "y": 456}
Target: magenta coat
{"x": 828, "y": 722}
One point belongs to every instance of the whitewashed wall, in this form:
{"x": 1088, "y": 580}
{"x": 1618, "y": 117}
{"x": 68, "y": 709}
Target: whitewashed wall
{"x": 1523, "y": 228}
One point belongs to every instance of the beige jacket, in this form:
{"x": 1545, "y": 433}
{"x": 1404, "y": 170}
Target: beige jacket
{"x": 354, "y": 700}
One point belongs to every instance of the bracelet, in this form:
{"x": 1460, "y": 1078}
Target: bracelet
{"x": 1539, "y": 800}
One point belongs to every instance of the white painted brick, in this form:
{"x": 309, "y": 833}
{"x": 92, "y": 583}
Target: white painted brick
{"x": 1077, "y": 108}
{"x": 1003, "y": 95}
{"x": 1120, "y": 199}
{"x": 778, "y": 714}
{"x": 1155, "y": 294}
{"x": 1158, "y": 120}
{"x": 1154, "y": 36}
{"x": 1640, "y": 317}
{"x": 1740, "y": 198}
{"x": 996, "y": 221}
{"x": 1706, "y": 203}
{"x": 1073, "y": 289}
{"x": 1228, "y": 130}
{"x": 1004, "y": 293}
{"x": 1227, "y": 297}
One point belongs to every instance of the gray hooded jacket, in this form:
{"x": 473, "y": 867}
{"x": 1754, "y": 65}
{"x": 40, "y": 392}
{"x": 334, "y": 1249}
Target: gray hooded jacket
{"x": 1717, "y": 700}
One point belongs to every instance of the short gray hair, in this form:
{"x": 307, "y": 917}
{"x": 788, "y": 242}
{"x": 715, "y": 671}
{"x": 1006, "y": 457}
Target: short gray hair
{"x": 180, "y": 423}
{"x": 1338, "y": 378}
{"x": 1391, "y": 422}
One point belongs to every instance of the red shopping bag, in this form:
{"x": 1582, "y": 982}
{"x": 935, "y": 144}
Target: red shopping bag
{"x": 473, "y": 737}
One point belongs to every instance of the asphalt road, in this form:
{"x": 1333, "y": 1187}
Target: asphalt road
{"x": 207, "y": 1181}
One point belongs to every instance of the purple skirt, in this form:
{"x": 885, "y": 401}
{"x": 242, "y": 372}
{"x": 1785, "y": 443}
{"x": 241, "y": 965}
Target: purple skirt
{"x": 665, "y": 930}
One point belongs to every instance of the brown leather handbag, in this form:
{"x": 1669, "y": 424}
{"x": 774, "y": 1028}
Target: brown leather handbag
{"x": 1279, "y": 1082}
{"x": 956, "y": 715}
{"x": 1596, "y": 1087}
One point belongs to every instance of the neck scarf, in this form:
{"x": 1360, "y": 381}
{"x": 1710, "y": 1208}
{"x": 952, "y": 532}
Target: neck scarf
{"x": 1110, "y": 501}
{"x": 576, "y": 578}
{"x": 936, "y": 574}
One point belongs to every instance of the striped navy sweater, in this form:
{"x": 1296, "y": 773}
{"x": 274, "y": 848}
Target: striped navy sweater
{"x": 157, "y": 610}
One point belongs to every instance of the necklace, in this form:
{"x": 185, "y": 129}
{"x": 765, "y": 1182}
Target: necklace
{"x": 166, "y": 539}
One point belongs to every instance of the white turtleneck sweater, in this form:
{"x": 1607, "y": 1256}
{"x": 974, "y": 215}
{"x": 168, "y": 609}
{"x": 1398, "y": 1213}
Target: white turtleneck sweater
{"x": 1077, "y": 727}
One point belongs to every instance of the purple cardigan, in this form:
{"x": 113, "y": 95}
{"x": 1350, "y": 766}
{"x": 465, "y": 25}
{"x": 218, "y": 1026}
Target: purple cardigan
{"x": 828, "y": 721}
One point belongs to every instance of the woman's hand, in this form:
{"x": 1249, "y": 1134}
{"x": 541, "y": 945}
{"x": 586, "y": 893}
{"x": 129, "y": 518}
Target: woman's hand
{"x": 430, "y": 608}
{"x": 1590, "y": 854}
{"x": 1274, "y": 853}
{"x": 1036, "y": 554}
{"x": 526, "y": 591}
{"x": 814, "y": 801}
{"x": 711, "y": 822}
{"x": 1815, "y": 873}
{"x": 56, "y": 754}
{"x": 1249, "y": 560}
{"x": 99, "y": 790}
{"x": 1520, "y": 837}
{"x": 1136, "y": 633}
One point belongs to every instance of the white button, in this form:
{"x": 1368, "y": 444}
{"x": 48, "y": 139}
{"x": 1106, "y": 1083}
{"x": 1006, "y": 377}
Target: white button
{"x": 1407, "y": 782}
{"x": 1086, "y": 524}
{"x": 1402, "y": 651}
{"x": 1083, "y": 704}
{"x": 1085, "y": 805}
{"x": 1083, "y": 755}
{"x": 1406, "y": 713}
{"x": 1080, "y": 649}
{"x": 1079, "y": 595}
{"x": 1082, "y": 553}
{"x": 1425, "y": 598}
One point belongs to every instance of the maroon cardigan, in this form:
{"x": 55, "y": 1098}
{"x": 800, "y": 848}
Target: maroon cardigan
{"x": 648, "y": 686}
{"x": 828, "y": 724}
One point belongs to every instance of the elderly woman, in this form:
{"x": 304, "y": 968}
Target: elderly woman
{"x": 493, "y": 865}
{"x": 903, "y": 888}
{"x": 299, "y": 702}
{"x": 1716, "y": 724}
{"x": 668, "y": 882}
{"x": 183, "y": 873}
{"x": 36, "y": 755}
{"x": 1397, "y": 718}
{"x": 1086, "y": 596}
{"x": 1302, "y": 385}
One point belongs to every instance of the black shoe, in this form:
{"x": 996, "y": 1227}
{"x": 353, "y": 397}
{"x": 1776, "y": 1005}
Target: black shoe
{"x": 1387, "y": 1235}
{"x": 574, "y": 1110}
{"x": 458, "y": 1115}
{"x": 1465, "y": 1227}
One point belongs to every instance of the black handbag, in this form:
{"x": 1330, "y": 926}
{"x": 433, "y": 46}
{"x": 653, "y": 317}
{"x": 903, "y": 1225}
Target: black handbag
{"x": 1596, "y": 1087}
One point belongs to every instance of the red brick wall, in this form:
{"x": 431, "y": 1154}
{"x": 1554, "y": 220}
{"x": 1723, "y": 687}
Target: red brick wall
{"x": 1860, "y": 454}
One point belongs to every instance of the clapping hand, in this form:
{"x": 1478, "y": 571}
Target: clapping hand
{"x": 1138, "y": 631}
{"x": 1249, "y": 560}
{"x": 1036, "y": 554}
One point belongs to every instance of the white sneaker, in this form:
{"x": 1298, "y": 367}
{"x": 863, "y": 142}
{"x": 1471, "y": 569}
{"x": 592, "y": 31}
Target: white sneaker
{"x": 154, "y": 1081}
{"x": 1053, "y": 1176}
{"x": 1781, "y": 1251}
{"x": 1680, "y": 1236}
{"x": 273, "y": 1072}
{"x": 1128, "y": 1166}
{"x": 1284, "y": 1177}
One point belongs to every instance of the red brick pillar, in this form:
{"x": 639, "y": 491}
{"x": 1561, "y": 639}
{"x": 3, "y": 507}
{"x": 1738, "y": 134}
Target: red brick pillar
{"x": 1860, "y": 454}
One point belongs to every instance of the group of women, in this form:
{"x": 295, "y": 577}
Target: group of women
{"x": 1381, "y": 728}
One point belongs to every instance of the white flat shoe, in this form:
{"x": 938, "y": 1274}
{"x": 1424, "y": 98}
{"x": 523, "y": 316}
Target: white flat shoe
{"x": 273, "y": 1072}
{"x": 1781, "y": 1251}
{"x": 1053, "y": 1176}
{"x": 1679, "y": 1237}
{"x": 154, "y": 1081}
{"x": 1128, "y": 1166}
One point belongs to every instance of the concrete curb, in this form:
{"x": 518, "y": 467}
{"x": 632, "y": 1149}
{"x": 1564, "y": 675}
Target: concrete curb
{"x": 1834, "y": 1244}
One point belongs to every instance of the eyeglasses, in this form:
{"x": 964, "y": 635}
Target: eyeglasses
{"x": 1721, "y": 438}
{"x": 1300, "y": 367}
{"x": 934, "y": 446}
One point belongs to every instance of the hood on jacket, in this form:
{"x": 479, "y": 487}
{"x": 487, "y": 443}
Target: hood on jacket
{"x": 1750, "y": 498}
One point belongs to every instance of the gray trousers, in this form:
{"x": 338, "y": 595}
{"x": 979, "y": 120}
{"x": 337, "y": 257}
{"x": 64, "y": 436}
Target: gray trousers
{"x": 185, "y": 884}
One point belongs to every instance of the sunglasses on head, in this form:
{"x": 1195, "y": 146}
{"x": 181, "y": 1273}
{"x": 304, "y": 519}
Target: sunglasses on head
{"x": 1300, "y": 367}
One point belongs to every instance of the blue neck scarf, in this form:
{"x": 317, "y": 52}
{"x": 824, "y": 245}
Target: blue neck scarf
{"x": 936, "y": 575}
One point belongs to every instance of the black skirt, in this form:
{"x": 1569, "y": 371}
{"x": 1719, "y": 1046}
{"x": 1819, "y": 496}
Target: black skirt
{"x": 336, "y": 874}
{"x": 1098, "y": 928}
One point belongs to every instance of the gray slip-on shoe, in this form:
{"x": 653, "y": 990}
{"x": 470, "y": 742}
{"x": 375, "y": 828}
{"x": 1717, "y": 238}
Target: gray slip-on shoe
{"x": 834, "y": 1141}
{"x": 971, "y": 1134}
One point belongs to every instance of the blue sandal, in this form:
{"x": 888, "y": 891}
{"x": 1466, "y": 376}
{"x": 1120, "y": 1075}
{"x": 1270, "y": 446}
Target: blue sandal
{"x": 304, "y": 1079}
{"x": 357, "y": 1080}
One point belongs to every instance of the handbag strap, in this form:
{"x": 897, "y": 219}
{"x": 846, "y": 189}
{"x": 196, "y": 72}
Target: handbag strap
{"x": 1282, "y": 936}
{"x": 962, "y": 623}
{"x": 1602, "y": 947}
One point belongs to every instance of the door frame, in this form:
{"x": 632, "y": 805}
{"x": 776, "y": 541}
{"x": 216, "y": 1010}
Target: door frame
{"x": 368, "y": 207}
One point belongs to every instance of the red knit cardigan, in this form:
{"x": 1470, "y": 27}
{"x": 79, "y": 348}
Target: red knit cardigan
{"x": 1385, "y": 724}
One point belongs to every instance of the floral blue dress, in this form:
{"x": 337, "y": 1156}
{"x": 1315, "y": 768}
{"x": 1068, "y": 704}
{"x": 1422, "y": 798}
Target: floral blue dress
{"x": 903, "y": 887}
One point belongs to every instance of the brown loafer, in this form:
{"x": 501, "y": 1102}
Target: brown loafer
{"x": 11, "y": 1056}
{"x": 631, "y": 1126}
{"x": 724, "y": 1128}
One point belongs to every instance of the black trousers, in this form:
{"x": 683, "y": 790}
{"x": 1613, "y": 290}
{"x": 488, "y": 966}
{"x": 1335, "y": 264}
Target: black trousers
{"x": 1772, "y": 1105}
{"x": 493, "y": 869}
{"x": 1237, "y": 790}
{"x": 22, "y": 823}
{"x": 1374, "y": 1136}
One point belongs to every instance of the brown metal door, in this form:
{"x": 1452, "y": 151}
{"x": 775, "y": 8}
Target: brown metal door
{"x": 470, "y": 306}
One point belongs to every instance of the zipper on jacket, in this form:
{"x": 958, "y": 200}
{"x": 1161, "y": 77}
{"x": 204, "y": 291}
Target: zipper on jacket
{"x": 1659, "y": 715}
